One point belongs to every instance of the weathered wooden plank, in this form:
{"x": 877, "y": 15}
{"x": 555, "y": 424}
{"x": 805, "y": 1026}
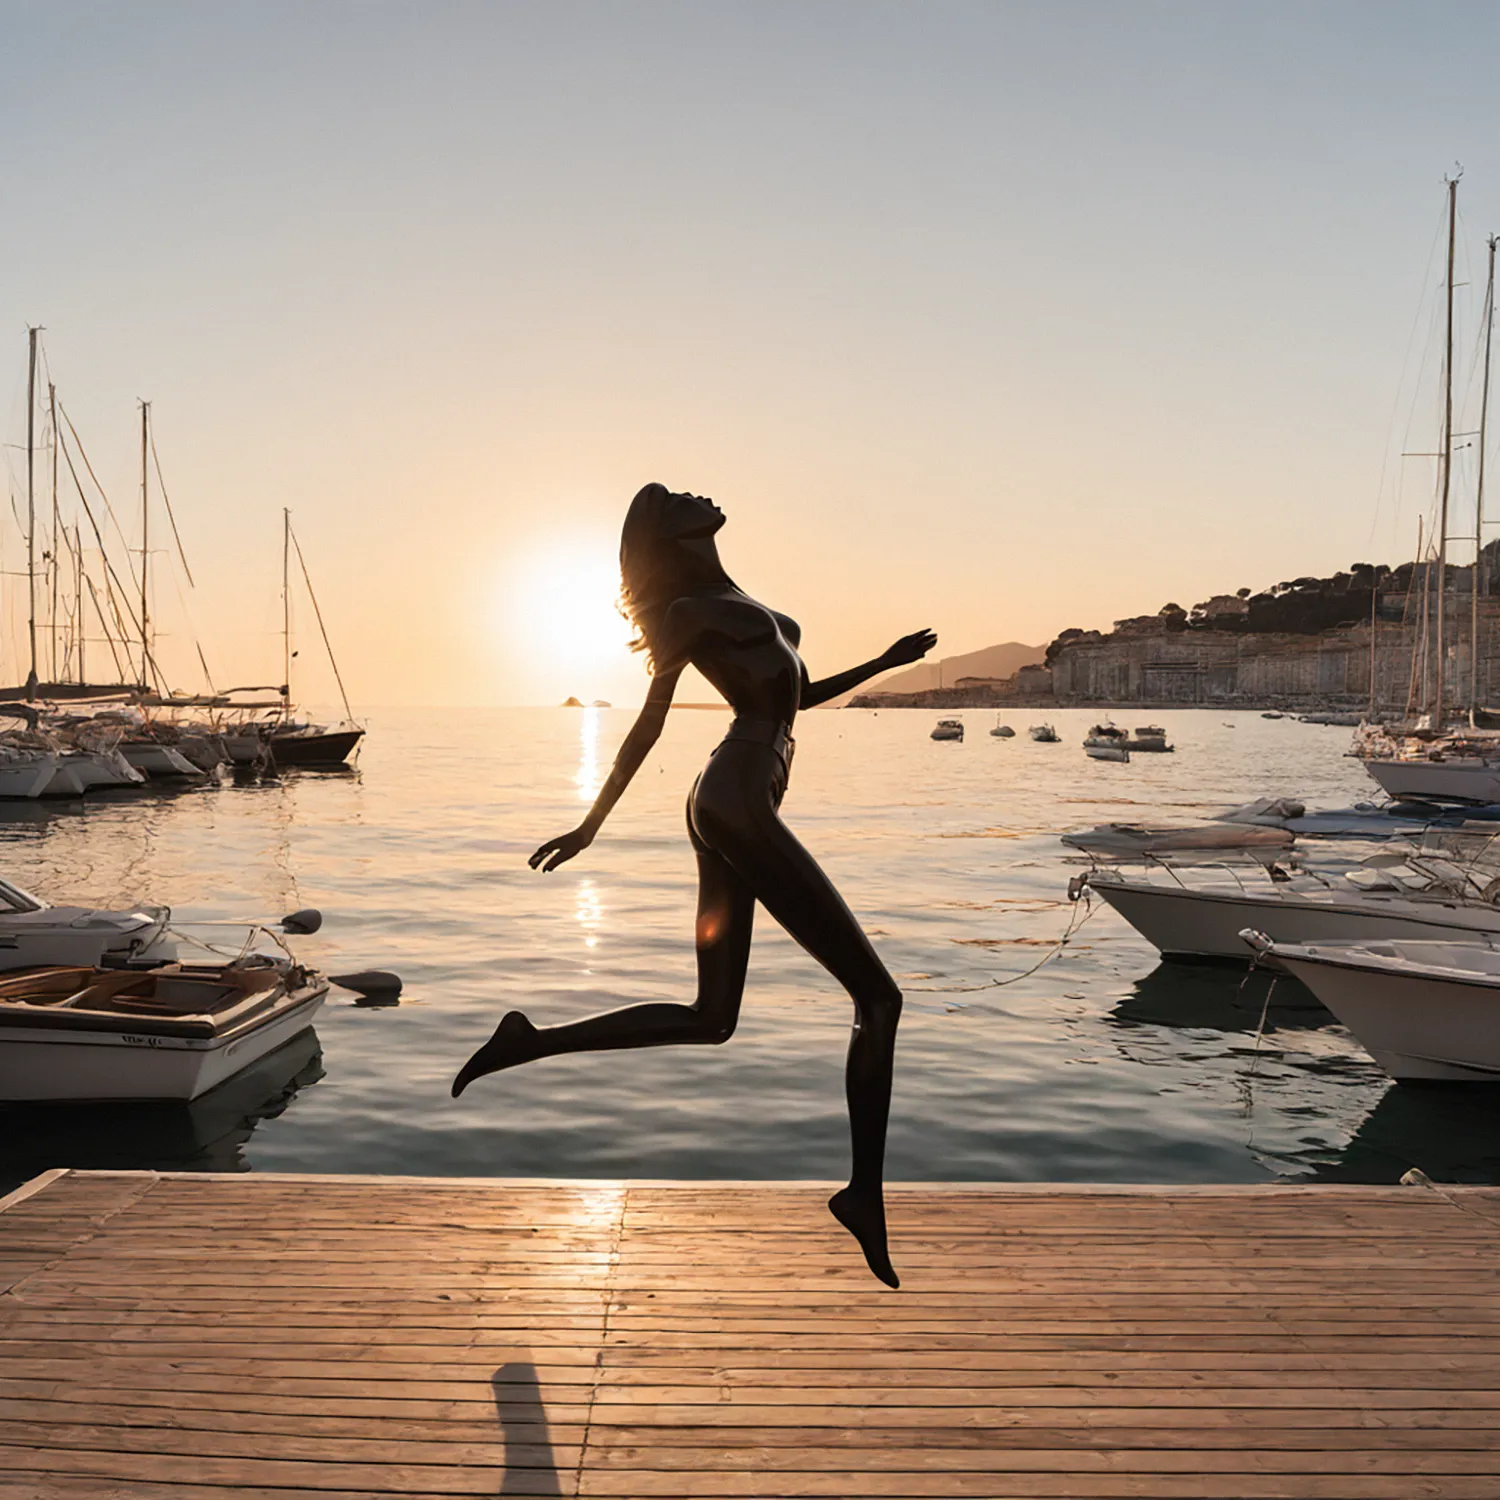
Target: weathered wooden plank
{"x": 292, "y": 1336}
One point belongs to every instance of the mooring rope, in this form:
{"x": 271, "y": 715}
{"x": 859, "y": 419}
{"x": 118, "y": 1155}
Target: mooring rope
{"x": 1075, "y": 922}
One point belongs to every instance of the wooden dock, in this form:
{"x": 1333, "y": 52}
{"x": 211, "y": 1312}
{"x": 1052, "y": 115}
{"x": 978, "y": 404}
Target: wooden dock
{"x": 196, "y": 1337}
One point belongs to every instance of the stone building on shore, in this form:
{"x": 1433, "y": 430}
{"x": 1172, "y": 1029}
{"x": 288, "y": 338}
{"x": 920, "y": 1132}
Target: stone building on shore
{"x": 1313, "y": 643}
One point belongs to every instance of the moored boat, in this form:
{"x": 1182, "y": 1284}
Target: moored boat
{"x": 949, "y": 729}
{"x": 71, "y": 1033}
{"x": 314, "y": 745}
{"x": 34, "y": 932}
{"x": 1044, "y": 734}
{"x": 158, "y": 761}
{"x": 1151, "y": 738}
{"x": 1423, "y": 1010}
{"x": 1186, "y": 917}
{"x": 1107, "y": 742}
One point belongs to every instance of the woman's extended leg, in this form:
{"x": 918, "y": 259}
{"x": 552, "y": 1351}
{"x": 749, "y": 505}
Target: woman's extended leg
{"x": 726, "y": 910}
{"x": 788, "y": 881}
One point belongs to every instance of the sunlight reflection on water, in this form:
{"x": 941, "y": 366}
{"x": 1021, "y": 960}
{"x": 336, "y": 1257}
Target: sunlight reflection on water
{"x": 1106, "y": 1065}
{"x": 588, "y": 779}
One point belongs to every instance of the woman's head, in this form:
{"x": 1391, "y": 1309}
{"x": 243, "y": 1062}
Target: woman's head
{"x": 666, "y": 551}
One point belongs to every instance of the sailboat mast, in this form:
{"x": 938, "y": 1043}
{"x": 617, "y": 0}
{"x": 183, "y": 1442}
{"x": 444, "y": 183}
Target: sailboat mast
{"x": 31, "y": 506}
{"x": 1446, "y": 454}
{"x": 78, "y": 624}
{"x": 56, "y": 548}
{"x": 145, "y": 547}
{"x": 286, "y": 612}
{"x": 1484, "y": 419}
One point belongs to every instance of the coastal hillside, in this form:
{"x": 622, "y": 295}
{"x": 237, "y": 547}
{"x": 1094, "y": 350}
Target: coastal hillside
{"x": 1344, "y": 642}
{"x": 989, "y": 662}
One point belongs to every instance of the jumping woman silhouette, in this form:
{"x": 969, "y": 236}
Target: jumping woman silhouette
{"x": 686, "y": 609}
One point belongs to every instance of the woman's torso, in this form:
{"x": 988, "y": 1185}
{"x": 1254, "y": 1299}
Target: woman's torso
{"x": 749, "y": 654}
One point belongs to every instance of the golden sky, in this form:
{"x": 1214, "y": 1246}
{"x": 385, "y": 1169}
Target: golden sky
{"x": 997, "y": 317}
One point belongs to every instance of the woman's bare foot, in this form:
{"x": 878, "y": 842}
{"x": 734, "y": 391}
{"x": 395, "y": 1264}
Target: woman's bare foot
{"x": 864, "y": 1218}
{"x": 514, "y": 1042}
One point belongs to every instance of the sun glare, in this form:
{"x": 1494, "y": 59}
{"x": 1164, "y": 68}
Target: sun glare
{"x": 563, "y": 600}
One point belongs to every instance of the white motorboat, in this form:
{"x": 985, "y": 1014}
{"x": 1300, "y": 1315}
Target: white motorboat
{"x": 1200, "y": 913}
{"x": 1459, "y": 778}
{"x": 1043, "y": 734}
{"x": 82, "y": 1034}
{"x": 33, "y": 932}
{"x": 1422, "y": 1010}
{"x": 949, "y": 729}
{"x": 1106, "y": 752}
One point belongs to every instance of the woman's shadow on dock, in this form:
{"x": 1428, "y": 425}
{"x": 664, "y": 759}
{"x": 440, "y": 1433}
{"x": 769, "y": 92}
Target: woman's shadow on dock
{"x": 530, "y": 1464}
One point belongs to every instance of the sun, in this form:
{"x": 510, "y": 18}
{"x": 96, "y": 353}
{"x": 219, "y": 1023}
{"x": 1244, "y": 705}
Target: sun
{"x": 562, "y": 602}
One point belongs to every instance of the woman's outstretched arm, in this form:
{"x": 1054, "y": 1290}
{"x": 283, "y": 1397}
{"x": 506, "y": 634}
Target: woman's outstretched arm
{"x": 643, "y": 734}
{"x": 908, "y": 649}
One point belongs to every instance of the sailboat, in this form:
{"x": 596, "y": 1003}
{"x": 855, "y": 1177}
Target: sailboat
{"x": 304, "y": 744}
{"x": 1435, "y": 759}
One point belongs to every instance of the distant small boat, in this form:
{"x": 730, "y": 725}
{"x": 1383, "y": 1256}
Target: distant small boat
{"x": 1273, "y": 713}
{"x": 1003, "y": 731}
{"x": 1106, "y": 752}
{"x": 949, "y": 729}
{"x": 1103, "y": 736}
{"x": 1150, "y": 737}
{"x": 1043, "y": 734}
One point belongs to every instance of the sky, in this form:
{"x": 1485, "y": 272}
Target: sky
{"x": 997, "y": 318}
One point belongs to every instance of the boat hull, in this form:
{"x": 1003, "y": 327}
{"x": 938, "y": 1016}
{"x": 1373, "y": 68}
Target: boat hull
{"x": 27, "y": 778}
{"x": 41, "y": 1063}
{"x": 331, "y": 749}
{"x": 244, "y": 749}
{"x": 1420, "y": 1027}
{"x": 158, "y": 761}
{"x": 1187, "y": 923}
{"x": 1437, "y": 780}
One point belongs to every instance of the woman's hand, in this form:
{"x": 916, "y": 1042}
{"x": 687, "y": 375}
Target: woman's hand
{"x": 561, "y": 849}
{"x": 910, "y": 648}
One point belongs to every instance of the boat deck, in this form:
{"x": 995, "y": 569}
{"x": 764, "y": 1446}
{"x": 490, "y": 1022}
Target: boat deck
{"x": 198, "y": 1337}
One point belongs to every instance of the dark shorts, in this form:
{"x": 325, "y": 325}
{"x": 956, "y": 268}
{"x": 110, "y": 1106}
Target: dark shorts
{"x": 746, "y": 775}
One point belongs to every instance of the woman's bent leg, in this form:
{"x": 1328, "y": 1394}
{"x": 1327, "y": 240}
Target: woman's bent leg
{"x": 788, "y": 881}
{"x": 726, "y": 911}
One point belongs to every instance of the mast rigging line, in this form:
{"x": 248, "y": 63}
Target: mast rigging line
{"x": 327, "y": 644}
{"x": 125, "y": 621}
{"x": 103, "y": 493}
{"x": 166, "y": 501}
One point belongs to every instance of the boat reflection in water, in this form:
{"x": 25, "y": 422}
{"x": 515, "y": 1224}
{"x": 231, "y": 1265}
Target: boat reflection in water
{"x": 206, "y": 1135}
{"x": 1318, "y": 1108}
{"x": 1217, "y": 997}
{"x": 1450, "y": 1131}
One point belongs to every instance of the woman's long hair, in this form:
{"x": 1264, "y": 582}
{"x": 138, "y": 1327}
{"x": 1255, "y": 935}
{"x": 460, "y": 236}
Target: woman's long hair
{"x": 654, "y": 570}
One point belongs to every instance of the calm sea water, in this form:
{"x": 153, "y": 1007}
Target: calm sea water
{"x": 1106, "y": 1065}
